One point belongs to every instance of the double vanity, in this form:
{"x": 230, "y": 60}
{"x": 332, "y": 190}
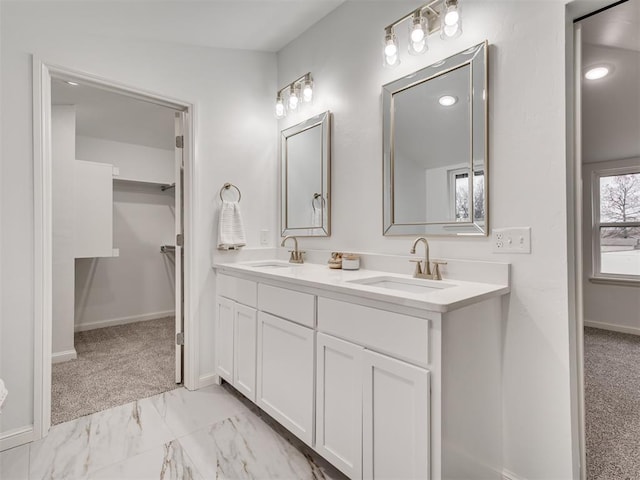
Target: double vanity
{"x": 385, "y": 375}
{"x": 382, "y": 374}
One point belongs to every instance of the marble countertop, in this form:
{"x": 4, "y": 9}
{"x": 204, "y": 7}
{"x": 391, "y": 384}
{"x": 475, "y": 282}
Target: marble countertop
{"x": 454, "y": 295}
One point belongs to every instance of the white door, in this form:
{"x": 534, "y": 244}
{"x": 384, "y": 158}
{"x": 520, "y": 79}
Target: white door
{"x": 224, "y": 338}
{"x": 244, "y": 350}
{"x": 179, "y": 255}
{"x": 339, "y": 404}
{"x": 285, "y": 374}
{"x": 395, "y": 419}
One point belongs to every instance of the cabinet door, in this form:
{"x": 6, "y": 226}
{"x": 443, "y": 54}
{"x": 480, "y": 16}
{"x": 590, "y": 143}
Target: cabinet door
{"x": 395, "y": 419}
{"x": 339, "y": 404}
{"x": 244, "y": 352}
{"x": 224, "y": 338}
{"x": 285, "y": 374}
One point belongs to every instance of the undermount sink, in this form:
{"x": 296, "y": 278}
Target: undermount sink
{"x": 272, "y": 264}
{"x": 409, "y": 285}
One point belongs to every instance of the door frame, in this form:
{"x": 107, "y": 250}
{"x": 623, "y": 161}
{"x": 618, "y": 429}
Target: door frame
{"x": 576, "y": 10}
{"x": 43, "y": 72}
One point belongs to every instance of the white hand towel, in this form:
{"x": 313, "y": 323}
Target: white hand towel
{"x": 230, "y": 227}
{"x": 3, "y": 393}
{"x": 316, "y": 217}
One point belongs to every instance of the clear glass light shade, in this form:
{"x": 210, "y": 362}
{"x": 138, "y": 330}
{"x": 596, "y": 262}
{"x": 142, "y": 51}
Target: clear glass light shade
{"x": 418, "y": 30}
{"x": 391, "y": 58}
{"x": 307, "y": 91}
{"x": 294, "y": 98}
{"x": 280, "y": 110}
{"x": 451, "y": 21}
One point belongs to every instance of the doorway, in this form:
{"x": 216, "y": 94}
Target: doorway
{"x": 607, "y": 75}
{"x": 114, "y": 216}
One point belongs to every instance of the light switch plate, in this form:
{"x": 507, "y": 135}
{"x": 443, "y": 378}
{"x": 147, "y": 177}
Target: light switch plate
{"x": 511, "y": 240}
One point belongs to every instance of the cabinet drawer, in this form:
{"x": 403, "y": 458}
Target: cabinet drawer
{"x": 295, "y": 306}
{"x": 238, "y": 289}
{"x": 398, "y": 335}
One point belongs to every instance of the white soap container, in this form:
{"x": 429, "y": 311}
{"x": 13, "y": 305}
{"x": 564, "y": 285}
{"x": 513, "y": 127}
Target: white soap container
{"x": 350, "y": 261}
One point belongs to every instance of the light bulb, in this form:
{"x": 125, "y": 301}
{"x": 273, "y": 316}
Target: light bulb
{"x": 280, "y": 111}
{"x": 452, "y": 16}
{"x": 293, "y": 98}
{"x": 451, "y": 22}
{"x": 391, "y": 58}
{"x": 418, "y": 34}
{"x": 390, "y": 50}
{"x": 307, "y": 91}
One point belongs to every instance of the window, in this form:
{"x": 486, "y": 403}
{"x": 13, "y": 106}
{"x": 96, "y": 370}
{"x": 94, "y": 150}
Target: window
{"x": 460, "y": 191}
{"x": 616, "y": 224}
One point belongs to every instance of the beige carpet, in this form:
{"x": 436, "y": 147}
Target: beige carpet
{"x": 612, "y": 404}
{"x": 115, "y": 365}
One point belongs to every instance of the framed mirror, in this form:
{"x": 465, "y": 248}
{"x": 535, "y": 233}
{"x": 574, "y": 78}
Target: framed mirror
{"x": 305, "y": 162}
{"x": 435, "y": 148}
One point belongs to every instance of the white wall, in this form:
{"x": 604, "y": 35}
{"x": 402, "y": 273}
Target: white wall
{"x": 527, "y": 186}
{"x": 139, "y": 283}
{"x": 136, "y": 162}
{"x": 612, "y": 307}
{"x": 235, "y": 142}
{"x": 63, "y": 148}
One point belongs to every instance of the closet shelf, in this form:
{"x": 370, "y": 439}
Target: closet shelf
{"x": 135, "y": 181}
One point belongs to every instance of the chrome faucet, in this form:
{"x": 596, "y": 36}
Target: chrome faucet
{"x": 423, "y": 270}
{"x": 296, "y": 255}
{"x": 423, "y": 267}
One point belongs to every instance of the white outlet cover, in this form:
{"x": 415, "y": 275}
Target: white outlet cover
{"x": 511, "y": 240}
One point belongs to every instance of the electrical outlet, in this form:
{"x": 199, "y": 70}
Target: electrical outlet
{"x": 264, "y": 237}
{"x": 511, "y": 240}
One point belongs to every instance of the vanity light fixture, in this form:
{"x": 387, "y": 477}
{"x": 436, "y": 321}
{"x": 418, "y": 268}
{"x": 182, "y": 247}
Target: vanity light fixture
{"x": 443, "y": 15}
{"x": 447, "y": 100}
{"x": 597, "y": 73}
{"x": 297, "y": 92}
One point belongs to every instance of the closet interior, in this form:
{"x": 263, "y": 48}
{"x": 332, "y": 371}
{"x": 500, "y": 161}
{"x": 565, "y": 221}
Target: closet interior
{"x": 116, "y": 211}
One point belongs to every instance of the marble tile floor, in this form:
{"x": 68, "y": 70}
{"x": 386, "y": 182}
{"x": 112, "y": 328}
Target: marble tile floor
{"x": 212, "y": 433}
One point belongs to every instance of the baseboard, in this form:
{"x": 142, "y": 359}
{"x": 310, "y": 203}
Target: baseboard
{"x": 207, "y": 380}
{"x": 612, "y": 327}
{"x": 507, "y": 475}
{"x": 122, "y": 320}
{"x": 16, "y": 437}
{"x": 64, "y": 356}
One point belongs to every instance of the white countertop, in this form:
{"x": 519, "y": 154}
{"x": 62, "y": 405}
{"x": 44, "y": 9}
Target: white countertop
{"x": 457, "y": 294}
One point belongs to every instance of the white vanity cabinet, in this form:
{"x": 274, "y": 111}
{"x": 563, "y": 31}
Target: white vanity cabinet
{"x": 381, "y": 389}
{"x": 395, "y": 419}
{"x": 285, "y": 374}
{"x": 236, "y": 333}
{"x": 286, "y": 336}
{"x": 372, "y": 412}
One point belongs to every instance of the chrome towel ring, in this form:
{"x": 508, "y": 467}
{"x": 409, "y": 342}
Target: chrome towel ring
{"x": 227, "y": 186}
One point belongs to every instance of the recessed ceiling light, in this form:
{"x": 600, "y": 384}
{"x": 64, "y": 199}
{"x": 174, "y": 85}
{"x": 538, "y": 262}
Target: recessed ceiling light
{"x": 447, "y": 100}
{"x": 596, "y": 72}
{"x": 74, "y": 84}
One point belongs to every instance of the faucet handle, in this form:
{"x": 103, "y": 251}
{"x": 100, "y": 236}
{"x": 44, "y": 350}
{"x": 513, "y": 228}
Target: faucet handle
{"x": 418, "y": 270}
{"x": 437, "y": 275}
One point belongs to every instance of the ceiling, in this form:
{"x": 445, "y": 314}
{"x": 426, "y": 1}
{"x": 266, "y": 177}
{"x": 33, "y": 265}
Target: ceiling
{"x": 611, "y": 105}
{"x": 261, "y": 25}
{"x": 112, "y": 116}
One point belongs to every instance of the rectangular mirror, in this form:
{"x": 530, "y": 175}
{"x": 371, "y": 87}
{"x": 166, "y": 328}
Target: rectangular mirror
{"x": 435, "y": 148}
{"x": 305, "y": 167}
